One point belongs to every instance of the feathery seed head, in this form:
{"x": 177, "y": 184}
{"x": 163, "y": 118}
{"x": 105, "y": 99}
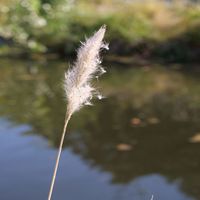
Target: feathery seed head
{"x": 77, "y": 83}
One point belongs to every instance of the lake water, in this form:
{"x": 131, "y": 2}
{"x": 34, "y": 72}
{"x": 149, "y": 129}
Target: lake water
{"x": 143, "y": 139}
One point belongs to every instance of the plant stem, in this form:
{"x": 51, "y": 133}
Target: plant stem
{"x": 67, "y": 118}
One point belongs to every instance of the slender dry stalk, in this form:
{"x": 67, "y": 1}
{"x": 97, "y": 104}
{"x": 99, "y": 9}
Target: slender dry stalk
{"x": 59, "y": 154}
{"x": 77, "y": 83}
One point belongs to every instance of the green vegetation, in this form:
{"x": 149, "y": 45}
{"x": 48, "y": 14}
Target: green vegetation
{"x": 153, "y": 28}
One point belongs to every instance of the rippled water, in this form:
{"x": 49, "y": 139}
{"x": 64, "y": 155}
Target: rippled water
{"x": 143, "y": 139}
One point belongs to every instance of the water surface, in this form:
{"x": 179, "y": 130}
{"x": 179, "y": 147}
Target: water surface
{"x": 141, "y": 140}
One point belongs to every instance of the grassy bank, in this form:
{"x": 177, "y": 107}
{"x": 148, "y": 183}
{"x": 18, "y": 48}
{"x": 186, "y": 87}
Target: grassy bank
{"x": 152, "y": 29}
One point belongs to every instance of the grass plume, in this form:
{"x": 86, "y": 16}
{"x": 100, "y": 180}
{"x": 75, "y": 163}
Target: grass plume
{"x": 77, "y": 83}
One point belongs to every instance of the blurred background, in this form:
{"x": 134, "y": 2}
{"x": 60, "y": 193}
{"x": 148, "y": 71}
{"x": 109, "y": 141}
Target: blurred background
{"x": 143, "y": 139}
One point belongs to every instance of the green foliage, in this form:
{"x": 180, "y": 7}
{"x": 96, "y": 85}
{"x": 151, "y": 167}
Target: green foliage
{"x": 40, "y": 25}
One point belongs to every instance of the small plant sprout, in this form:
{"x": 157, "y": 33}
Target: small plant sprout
{"x": 77, "y": 83}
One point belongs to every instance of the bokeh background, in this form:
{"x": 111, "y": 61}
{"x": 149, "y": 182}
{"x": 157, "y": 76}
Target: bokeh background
{"x": 143, "y": 139}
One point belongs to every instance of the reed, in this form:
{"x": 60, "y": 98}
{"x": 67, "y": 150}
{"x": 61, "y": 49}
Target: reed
{"x": 77, "y": 83}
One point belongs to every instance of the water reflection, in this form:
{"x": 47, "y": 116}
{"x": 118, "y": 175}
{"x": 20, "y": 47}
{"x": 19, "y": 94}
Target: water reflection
{"x": 143, "y": 127}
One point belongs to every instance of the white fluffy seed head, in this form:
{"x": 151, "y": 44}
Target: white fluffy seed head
{"x": 77, "y": 83}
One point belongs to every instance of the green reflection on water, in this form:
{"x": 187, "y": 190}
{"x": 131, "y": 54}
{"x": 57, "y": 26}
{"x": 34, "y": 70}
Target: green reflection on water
{"x": 144, "y": 125}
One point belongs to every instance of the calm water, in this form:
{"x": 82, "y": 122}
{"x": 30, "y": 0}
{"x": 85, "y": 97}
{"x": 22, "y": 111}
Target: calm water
{"x": 143, "y": 139}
